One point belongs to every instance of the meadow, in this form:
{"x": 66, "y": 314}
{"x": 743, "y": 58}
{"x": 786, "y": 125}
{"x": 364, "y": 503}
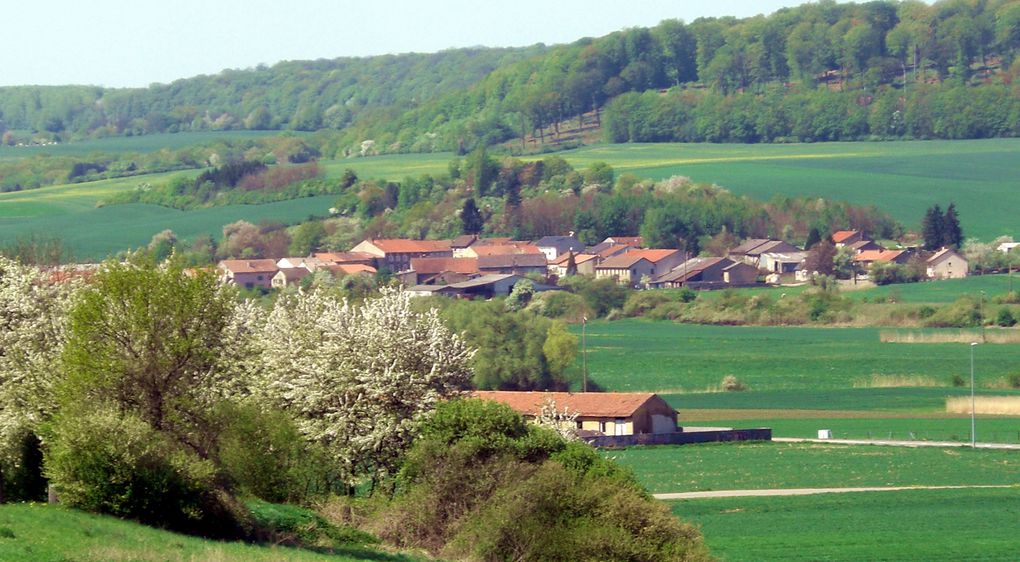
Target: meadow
{"x": 44, "y": 533}
{"x": 902, "y": 178}
{"x": 921, "y": 525}
{"x": 144, "y": 143}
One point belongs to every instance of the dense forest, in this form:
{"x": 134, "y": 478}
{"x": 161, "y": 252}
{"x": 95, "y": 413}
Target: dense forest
{"x": 821, "y": 71}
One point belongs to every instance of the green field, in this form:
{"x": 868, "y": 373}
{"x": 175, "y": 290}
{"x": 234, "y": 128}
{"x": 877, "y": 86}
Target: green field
{"x": 944, "y": 291}
{"x": 671, "y": 358}
{"x": 901, "y": 178}
{"x": 144, "y": 143}
{"x": 921, "y": 525}
{"x": 43, "y": 533}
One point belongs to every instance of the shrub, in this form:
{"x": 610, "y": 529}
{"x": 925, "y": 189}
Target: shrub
{"x": 1005, "y": 318}
{"x": 964, "y": 313}
{"x": 1013, "y": 380}
{"x": 731, "y": 383}
{"x": 112, "y": 463}
{"x": 22, "y": 475}
{"x": 560, "y": 304}
{"x": 958, "y": 381}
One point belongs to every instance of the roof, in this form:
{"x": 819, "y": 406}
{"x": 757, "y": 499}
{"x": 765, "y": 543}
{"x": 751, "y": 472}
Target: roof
{"x": 512, "y": 260}
{"x": 944, "y": 253}
{"x": 556, "y": 241}
{"x": 494, "y": 241}
{"x": 612, "y": 250}
{"x": 578, "y": 258}
{"x": 463, "y": 241}
{"x": 406, "y": 246}
{"x": 878, "y": 255}
{"x": 350, "y": 268}
{"x": 483, "y": 280}
{"x": 504, "y": 249}
{"x": 625, "y": 260}
{"x": 249, "y": 266}
{"x": 787, "y": 257}
{"x": 691, "y": 268}
{"x": 841, "y": 235}
{"x": 586, "y": 404}
{"x": 634, "y": 241}
{"x": 440, "y": 265}
{"x": 862, "y": 244}
{"x": 748, "y": 245}
{"x": 344, "y": 257}
{"x": 655, "y": 255}
{"x": 293, "y": 273}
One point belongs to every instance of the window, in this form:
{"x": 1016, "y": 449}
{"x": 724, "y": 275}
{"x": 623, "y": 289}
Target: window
{"x": 602, "y": 426}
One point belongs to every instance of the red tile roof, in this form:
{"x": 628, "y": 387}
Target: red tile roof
{"x": 345, "y": 257}
{"x": 614, "y": 250}
{"x": 635, "y": 241}
{"x": 655, "y": 256}
{"x": 350, "y": 268}
{"x": 878, "y": 255}
{"x": 586, "y": 404}
{"x": 841, "y": 235}
{"x": 942, "y": 254}
{"x": 249, "y": 266}
{"x": 578, "y": 258}
{"x": 504, "y": 249}
{"x": 430, "y": 266}
{"x": 405, "y": 246}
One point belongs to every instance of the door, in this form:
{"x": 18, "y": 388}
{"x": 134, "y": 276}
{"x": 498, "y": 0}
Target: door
{"x": 620, "y": 427}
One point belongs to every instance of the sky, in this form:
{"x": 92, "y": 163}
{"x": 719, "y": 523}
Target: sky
{"x": 134, "y": 43}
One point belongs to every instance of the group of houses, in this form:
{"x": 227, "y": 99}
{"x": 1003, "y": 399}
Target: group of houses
{"x": 473, "y": 266}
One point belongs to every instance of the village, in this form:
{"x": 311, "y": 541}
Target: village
{"x": 471, "y": 266}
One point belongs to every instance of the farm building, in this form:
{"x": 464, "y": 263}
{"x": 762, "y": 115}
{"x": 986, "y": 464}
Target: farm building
{"x": 249, "y": 273}
{"x": 609, "y": 413}
{"x": 947, "y": 264}
{"x": 707, "y": 273}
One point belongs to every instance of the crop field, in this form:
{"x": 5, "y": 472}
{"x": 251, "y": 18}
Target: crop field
{"x": 671, "y": 358}
{"x": 921, "y": 525}
{"x": 144, "y": 143}
{"x": 901, "y": 178}
{"x": 944, "y": 291}
{"x": 754, "y": 466}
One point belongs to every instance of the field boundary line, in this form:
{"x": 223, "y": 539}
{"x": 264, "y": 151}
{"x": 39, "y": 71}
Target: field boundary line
{"x": 808, "y": 491}
{"x": 897, "y": 443}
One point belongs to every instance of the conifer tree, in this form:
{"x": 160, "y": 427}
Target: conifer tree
{"x": 931, "y": 228}
{"x": 952, "y": 234}
{"x": 470, "y": 218}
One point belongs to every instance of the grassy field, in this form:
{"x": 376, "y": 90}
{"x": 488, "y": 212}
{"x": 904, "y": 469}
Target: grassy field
{"x": 753, "y": 466}
{"x": 144, "y": 143}
{"x": 44, "y": 533}
{"x": 902, "y": 178}
{"x": 670, "y": 358}
{"x": 921, "y": 525}
{"x": 944, "y": 291}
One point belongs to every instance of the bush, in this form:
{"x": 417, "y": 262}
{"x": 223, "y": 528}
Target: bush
{"x": 1013, "y": 380}
{"x": 964, "y": 313}
{"x": 106, "y": 462}
{"x": 561, "y": 305}
{"x": 1005, "y": 318}
{"x": 22, "y": 475}
{"x": 731, "y": 383}
{"x": 957, "y": 381}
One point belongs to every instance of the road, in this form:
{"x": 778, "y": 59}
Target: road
{"x": 802, "y": 491}
{"x": 895, "y": 443}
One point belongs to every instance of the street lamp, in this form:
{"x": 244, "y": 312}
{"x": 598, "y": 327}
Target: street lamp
{"x": 973, "y": 436}
{"x": 584, "y": 353}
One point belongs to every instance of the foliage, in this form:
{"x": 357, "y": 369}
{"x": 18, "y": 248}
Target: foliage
{"x": 941, "y": 230}
{"x": 520, "y": 295}
{"x": 358, "y": 378}
{"x": 731, "y": 383}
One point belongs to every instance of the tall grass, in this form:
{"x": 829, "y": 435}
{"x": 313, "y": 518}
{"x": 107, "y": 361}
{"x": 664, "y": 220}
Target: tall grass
{"x": 897, "y": 381}
{"x": 994, "y": 405}
{"x": 990, "y": 335}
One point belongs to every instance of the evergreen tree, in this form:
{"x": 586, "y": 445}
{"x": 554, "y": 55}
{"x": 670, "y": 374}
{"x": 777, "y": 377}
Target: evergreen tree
{"x": 931, "y": 228}
{"x": 813, "y": 237}
{"x": 952, "y": 234}
{"x": 470, "y": 218}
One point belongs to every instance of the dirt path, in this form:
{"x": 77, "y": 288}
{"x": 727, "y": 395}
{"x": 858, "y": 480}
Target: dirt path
{"x": 895, "y": 443}
{"x": 803, "y": 491}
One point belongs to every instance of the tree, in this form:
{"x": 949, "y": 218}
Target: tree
{"x": 821, "y": 258}
{"x": 932, "y": 228}
{"x": 471, "y": 220}
{"x": 520, "y": 295}
{"x": 952, "y": 234}
{"x": 162, "y": 244}
{"x": 560, "y": 349}
{"x": 307, "y": 238}
{"x": 152, "y": 341}
{"x": 358, "y": 379}
{"x": 813, "y": 237}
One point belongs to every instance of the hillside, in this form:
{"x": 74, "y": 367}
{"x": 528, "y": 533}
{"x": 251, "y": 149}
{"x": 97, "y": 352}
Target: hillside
{"x": 818, "y": 72}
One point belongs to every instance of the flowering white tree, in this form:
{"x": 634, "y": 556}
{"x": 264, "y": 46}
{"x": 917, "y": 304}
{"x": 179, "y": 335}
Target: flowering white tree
{"x": 563, "y": 422}
{"x": 32, "y": 331}
{"x": 359, "y": 378}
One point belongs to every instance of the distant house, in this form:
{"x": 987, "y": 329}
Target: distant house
{"x": 608, "y": 413}
{"x": 584, "y": 264}
{"x": 517, "y": 264}
{"x": 867, "y": 257}
{"x": 249, "y": 273}
{"x": 630, "y": 267}
{"x": 341, "y": 269}
{"x": 289, "y": 276}
{"x": 1007, "y": 247}
{"x": 632, "y": 241}
{"x": 461, "y": 244}
{"x": 846, "y": 237}
{"x": 428, "y": 271}
{"x": 750, "y": 250}
{"x": 606, "y": 250}
{"x": 504, "y": 249}
{"x": 863, "y": 246}
{"x": 781, "y": 262}
{"x": 396, "y": 254}
{"x": 485, "y": 286}
{"x": 708, "y": 273}
{"x": 553, "y": 246}
{"x": 311, "y": 264}
{"x": 947, "y": 264}
{"x": 363, "y": 258}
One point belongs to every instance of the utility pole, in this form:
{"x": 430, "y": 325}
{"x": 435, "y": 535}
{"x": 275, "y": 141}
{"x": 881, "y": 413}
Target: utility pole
{"x": 584, "y": 353}
{"x": 973, "y": 435}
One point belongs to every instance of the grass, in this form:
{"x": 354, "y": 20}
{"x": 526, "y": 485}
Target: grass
{"x": 939, "y": 292}
{"x": 752, "y": 466}
{"x": 144, "y": 143}
{"x": 998, "y": 405}
{"x": 922, "y": 525}
{"x": 671, "y": 358}
{"x": 49, "y": 533}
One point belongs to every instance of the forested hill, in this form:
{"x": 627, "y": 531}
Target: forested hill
{"x": 821, "y": 71}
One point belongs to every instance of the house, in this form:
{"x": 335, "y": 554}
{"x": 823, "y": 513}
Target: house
{"x": 708, "y": 273}
{"x": 864, "y": 245}
{"x": 608, "y": 413}
{"x": 307, "y": 263}
{"x": 249, "y": 273}
{"x": 750, "y": 250}
{"x": 606, "y": 250}
{"x": 363, "y": 258}
{"x": 867, "y": 257}
{"x": 1007, "y": 247}
{"x": 846, "y": 237}
{"x": 461, "y": 243}
{"x": 947, "y": 264}
{"x": 341, "y": 269}
{"x": 632, "y": 241}
{"x": 516, "y": 264}
{"x": 429, "y": 271}
{"x": 289, "y": 276}
{"x": 631, "y": 267}
{"x": 485, "y": 286}
{"x": 781, "y": 262}
{"x": 396, "y": 254}
{"x": 553, "y": 246}
{"x": 503, "y": 249}
{"x": 584, "y": 264}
